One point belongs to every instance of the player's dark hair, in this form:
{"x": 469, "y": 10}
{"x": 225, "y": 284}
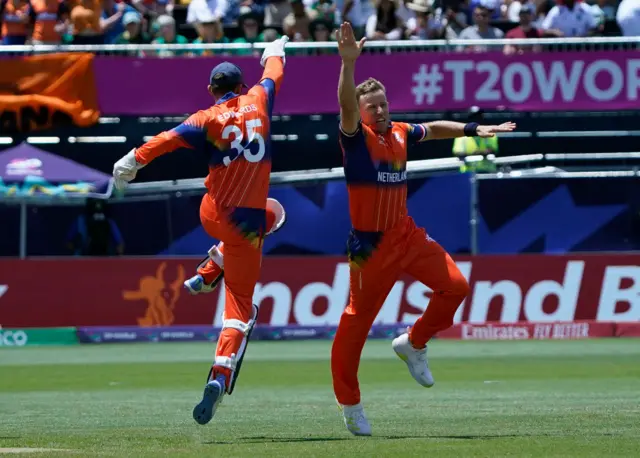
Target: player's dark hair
{"x": 222, "y": 89}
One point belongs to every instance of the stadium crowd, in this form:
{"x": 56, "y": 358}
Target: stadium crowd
{"x": 249, "y": 21}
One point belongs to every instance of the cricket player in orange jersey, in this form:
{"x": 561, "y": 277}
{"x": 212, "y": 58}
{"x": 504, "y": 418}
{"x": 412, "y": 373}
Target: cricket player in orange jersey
{"x": 384, "y": 241}
{"x": 235, "y": 134}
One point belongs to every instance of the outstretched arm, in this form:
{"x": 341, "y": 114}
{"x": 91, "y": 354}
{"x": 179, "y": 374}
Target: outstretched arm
{"x": 349, "y": 50}
{"x": 189, "y": 134}
{"x": 438, "y": 130}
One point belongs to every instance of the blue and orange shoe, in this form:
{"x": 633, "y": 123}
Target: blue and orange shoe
{"x": 211, "y": 399}
{"x": 197, "y": 285}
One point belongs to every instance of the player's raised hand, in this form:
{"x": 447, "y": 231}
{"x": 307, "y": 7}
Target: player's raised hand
{"x": 491, "y": 131}
{"x": 274, "y": 49}
{"x": 348, "y": 47}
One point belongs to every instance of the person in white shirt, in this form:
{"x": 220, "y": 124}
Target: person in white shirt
{"x": 628, "y": 18}
{"x": 423, "y": 26}
{"x": 571, "y": 19}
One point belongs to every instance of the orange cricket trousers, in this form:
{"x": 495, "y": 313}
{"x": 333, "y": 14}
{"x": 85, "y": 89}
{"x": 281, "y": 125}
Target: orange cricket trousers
{"x": 403, "y": 249}
{"x": 242, "y": 260}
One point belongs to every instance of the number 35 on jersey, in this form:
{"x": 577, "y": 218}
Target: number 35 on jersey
{"x": 252, "y": 147}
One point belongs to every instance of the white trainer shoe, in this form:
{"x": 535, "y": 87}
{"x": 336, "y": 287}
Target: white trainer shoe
{"x": 355, "y": 420}
{"x": 416, "y": 360}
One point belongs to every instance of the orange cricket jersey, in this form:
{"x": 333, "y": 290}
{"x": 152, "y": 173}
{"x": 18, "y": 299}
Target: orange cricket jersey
{"x": 376, "y": 174}
{"x": 235, "y": 135}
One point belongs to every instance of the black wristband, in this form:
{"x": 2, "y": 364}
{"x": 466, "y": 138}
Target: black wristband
{"x": 471, "y": 129}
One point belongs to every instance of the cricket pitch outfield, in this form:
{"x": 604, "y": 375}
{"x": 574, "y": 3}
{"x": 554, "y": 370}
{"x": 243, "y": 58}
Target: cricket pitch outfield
{"x": 525, "y": 399}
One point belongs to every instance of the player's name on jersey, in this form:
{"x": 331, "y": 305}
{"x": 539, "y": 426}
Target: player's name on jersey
{"x": 234, "y": 114}
{"x": 392, "y": 177}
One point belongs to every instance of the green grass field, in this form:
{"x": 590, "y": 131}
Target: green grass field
{"x": 538, "y": 399}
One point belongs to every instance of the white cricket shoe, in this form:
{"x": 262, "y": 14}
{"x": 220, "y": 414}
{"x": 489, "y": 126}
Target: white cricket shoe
{"x": 416, "y": 360}
{"x": 355, "y": 420}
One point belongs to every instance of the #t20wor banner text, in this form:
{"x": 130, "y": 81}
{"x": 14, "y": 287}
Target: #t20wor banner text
{"x": 415, "y": 81}
{"x": 313, "y": 291}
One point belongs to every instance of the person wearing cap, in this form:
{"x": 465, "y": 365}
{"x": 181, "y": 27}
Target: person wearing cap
{"x": 235, "y": 135}
{"x": 487, "y": 147}
{"x": 133, "y": 33}
{"x": 526, "y": 29}
{"x": 167, "y": 36}
{"x": 249, "y": 23}
{"x": 112, "y": 19}
{"x": 481, "y": 30}
{"x": 423, "y": 26}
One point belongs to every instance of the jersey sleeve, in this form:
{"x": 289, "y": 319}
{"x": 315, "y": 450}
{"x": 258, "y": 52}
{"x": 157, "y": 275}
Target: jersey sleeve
{"x": 270, "y": 83}
{"x": 415, "y": 133}
{"x": 192, "y": 134}
{"x": 350, "y": 142}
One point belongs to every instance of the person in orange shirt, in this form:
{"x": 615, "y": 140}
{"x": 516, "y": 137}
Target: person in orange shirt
{"x": 16, "y": 17}
{"x": 384, "y": 241}
{"x": 85, "y": 18}
{"x": 51, "y": 18}
{"x": 234, "y": 133}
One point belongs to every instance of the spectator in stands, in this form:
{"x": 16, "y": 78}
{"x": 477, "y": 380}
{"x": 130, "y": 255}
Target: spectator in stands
{"x": 628, "y": 18}
{"x": 200, "y": 11}
{"x": 51, "y": 21}
{"x": 405, "y": 13}
{"x": 356, "y": 12}
{"x": 111, "y": 19}
{"x": 133, "y": 34}
{"x": 423, "y": 26}
{"x": 235, "y": 6}
{"x": 250, "y": 27}
{"x": 16, "y": 17}
{"x": 481, "y": 30}
{"x": 212, "y": 32}
{"x": 154, "y": 8}
{"x": 455, "y": 18}
{"x": 321, "y": 31}
{"x": 494, "y": 8}
{"x": 168, "y": 35}
{"x": 524, "y": 30}
{"x": 324, "y": 10}
{"x": 85, "y": 19}
{"x": 603, "y": 10}
{"x": 384, "y": 23}
{"x": 274, "y": 13}
{"x": 513, "y": 8}
{"x": 569, "y": 18}
{"x": 296, "y": 24}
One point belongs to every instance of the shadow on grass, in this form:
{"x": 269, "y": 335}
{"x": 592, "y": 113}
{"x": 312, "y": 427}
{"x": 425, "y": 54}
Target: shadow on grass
{"x": 265, "y": 439}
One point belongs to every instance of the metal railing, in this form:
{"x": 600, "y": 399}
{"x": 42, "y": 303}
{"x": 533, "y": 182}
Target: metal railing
{"x": 169, "y": 50}
{"x": 165, "y": 190}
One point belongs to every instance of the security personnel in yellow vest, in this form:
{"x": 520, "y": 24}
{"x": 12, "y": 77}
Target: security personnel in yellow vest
{"x": 476, "y": 146}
